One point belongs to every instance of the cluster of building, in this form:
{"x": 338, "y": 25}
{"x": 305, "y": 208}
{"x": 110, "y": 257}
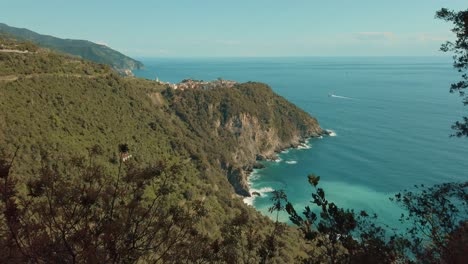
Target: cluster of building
{"x": 198, "y": 84}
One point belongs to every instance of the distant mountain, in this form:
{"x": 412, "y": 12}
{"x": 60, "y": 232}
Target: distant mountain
{"x": 82, "y": 48}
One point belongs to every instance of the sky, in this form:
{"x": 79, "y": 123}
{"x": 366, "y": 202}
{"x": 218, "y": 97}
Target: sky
{"x": 242, "y": 28}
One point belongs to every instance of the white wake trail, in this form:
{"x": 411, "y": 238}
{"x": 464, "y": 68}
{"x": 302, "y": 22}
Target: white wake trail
{"x": 341, "y": 97}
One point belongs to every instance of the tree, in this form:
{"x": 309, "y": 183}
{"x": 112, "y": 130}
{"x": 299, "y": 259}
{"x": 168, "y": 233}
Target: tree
{"x": 75, "y": 212}
{"x": 240, "y": 241}
{"x": 460, "y": 58}
{"x": 271, "y": 243}
{"x": 437, "y": 223}
{"x": 279, "y": 197}
{"x": 345, "y": 236}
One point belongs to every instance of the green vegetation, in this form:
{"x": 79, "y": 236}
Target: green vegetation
{"x": 81, "y": 48}
{"x": 96, "y": 168}
{"x": 64, "y": 117}
{"x": 460, "y": 58}
{"x": 435, "y": 217}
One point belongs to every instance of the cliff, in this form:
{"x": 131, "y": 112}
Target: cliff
{"x": 251, "y": 121}
{"x": 256, "y": 143}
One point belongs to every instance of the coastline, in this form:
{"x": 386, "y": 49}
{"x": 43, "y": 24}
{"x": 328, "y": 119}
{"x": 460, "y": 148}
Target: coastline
{"x": 252, "y": 174}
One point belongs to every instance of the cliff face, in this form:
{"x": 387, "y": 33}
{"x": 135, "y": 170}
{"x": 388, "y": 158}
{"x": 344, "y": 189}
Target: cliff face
{"x": 249, "y": 122}
{"x": 257, "y": 143}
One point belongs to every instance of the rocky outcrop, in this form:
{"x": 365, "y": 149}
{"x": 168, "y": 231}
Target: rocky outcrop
{"x": 255, "y": 142}
{"x": 238, "y": 178}
{"x": 243, "y": 124}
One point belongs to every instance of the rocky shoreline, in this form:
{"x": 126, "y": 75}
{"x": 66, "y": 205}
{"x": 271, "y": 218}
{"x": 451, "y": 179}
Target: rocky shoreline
{"x": 244, "y": 189}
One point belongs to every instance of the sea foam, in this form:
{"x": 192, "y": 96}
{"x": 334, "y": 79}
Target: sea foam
{"x": 331, "y": 133}
{"x": 262, "y": 191}
{"x": 304, "y": 146}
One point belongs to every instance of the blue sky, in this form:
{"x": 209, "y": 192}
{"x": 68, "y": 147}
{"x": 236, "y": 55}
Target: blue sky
{"x": 242, "y": 28}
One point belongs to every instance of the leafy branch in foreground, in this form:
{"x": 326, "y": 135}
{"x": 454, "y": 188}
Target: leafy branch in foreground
{"x": 80, "y": 214}
{"x": 345, "y": 236}
{"x": 460, "y": 58}
{"x": 437, "y": 219}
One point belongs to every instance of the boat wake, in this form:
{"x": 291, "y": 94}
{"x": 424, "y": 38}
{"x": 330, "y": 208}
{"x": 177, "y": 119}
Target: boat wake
{"x": 339, "y": 96}
{"x": 291, "y": 161}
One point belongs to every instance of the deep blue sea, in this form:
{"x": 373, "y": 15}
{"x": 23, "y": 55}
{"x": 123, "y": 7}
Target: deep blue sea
{"x": 391, "y": 116}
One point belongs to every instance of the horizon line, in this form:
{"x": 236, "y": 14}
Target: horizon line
{"x": 292, "y": 56}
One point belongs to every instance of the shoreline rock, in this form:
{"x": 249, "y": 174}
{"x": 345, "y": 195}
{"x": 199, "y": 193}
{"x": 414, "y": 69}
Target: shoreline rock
{"x": 245, "y": 187}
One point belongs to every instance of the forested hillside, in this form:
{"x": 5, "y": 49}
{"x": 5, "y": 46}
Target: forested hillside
{"x": 98, "y": 168}
{"x": 57, "y": 110}
{"x": 82, "y": 48}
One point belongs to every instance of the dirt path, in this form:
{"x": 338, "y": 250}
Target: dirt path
{"x": 13, "y": 51}
{"x": 8, "y": 78}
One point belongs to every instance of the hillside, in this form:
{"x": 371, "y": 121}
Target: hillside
{"x": 82, "y": 48}
{"x": 246, "y": 123}
{"x": 61, "y": 107}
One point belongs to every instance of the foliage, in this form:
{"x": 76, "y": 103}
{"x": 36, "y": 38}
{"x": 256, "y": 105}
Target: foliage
{"x": 278, "y": 198}
{"x": 6, "y": 42}
{"x": 85, "y": 215}
{"x": 70, "y": 108}
{"x": 437, "y": 218}
{"x": 68, "y": 196}
{"x": 218, "y": 116}
{"x": 460, "y": 58}
{"x": 346, "y": 237}
{"x": 81, "y": 48}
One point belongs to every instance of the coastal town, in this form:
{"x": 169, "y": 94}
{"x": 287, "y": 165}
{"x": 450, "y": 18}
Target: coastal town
{"x": 199, "y": 84}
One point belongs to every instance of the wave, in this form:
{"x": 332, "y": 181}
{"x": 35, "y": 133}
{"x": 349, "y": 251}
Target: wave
{"x": 304, "y": 146}
{"x": 254, "y": 175}
{"x": 262, "y": 191}
{"x": 291, "y": 161}
{"x": 331, "y": 133}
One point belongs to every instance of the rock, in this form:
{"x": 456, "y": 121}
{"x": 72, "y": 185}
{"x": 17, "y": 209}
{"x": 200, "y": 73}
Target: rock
{"x": 238, "y": 180}
{"x": 273, "y": 157}
{"x": 258, "y": 165}
{"x": 256, "y": 193}
{"x": 261, "y": 157}
{"x": 258, "y": 142}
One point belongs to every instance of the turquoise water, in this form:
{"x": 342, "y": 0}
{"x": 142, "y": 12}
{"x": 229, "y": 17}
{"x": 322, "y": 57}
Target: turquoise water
{"x": 391, "y": 117}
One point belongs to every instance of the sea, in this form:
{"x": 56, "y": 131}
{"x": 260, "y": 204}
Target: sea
{"x": 390, "y": 118}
